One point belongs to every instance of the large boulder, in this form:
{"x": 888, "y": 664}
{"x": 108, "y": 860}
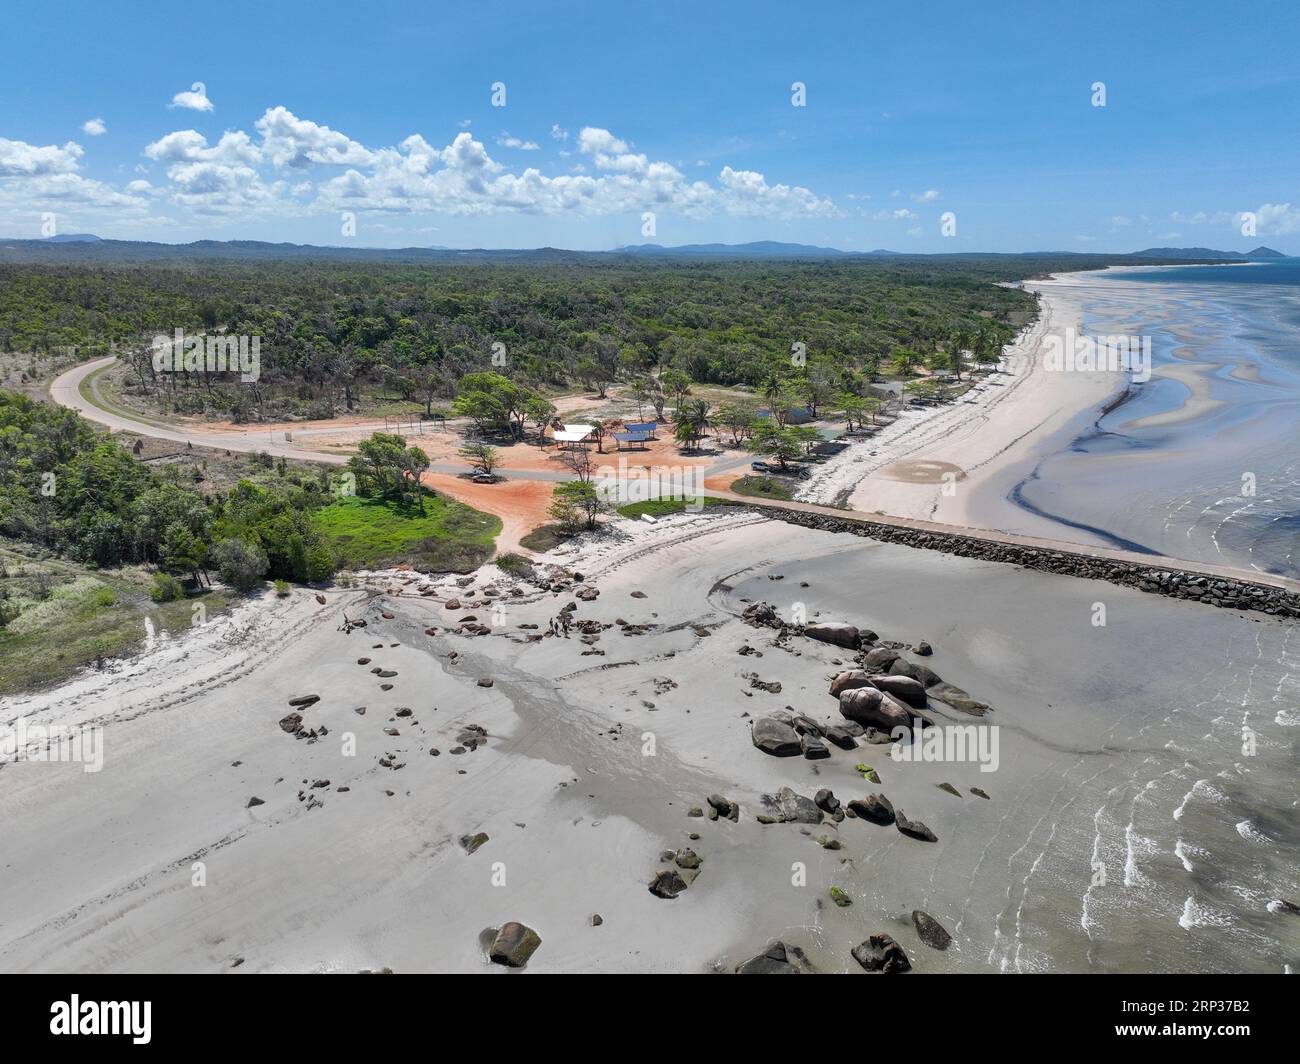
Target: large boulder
{"x": 848, "y": 680}
{"x": 880, "y": 659}
{"x": 924, "y": 676}
{"x": 913, "y": 828}
{"x": 904, "y": 688}
{"x": 836, "y": 633}
{"x": 514, "y": 944}
{"x": 776, "y": 738}
{"x": 932, "y": 933}
{"x": 880, "y": 953}
{"x": 796, "y": 809}
{"x": 777, "y": 959}
{"x": 874, "y": 807}
{"x": 873, "y": 708}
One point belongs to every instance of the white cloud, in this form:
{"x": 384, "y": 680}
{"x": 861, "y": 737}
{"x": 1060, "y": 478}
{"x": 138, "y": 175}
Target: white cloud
{"x": 1120, "y": 220}
{"x": 94, "y": 127}
{"x": 558, "y": 133}
{"x": 18, "y": 158}
{"x": 1277, "y": 219}
{"x": 288, "y": 140}
{"x": 928, "y": 196}
{"x": 195, "y": 100}
{"x": 900, "y": 214}
{"x": 507, "y": 141}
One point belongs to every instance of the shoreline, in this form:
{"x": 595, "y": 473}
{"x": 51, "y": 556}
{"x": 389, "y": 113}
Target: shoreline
{"x": 578, "y": 817}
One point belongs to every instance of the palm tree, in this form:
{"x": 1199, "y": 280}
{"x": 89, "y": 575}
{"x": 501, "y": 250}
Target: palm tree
{"x": 693, "y": 422}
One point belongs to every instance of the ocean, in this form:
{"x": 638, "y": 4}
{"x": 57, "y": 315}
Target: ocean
{"x": 1201, "y": 461}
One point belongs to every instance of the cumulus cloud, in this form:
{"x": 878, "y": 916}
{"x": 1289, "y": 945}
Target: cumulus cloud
{"x": 18, "y": 158}
{"x": 294, "y": 165}
{"x": 928, "y": 196}
{"x": 507, "y": 141}
{"x": 288, "y": 140}
{"x": 1277, "y": 219}
{"x": 40, "y": 178}
{"x": 195, "y": 100}
{"x": 94, "y": 127}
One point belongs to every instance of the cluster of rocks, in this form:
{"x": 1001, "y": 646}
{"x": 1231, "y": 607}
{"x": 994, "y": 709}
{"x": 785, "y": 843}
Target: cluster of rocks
{"x": 1226, "y": 592}
{"x": 879, "y": 953}
{"x": 670, "y": 882}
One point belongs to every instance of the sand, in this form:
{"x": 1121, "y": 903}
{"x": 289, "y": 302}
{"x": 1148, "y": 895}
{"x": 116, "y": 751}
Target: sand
{"x": 934, "y": 463}
{"x": 101, "y": 869}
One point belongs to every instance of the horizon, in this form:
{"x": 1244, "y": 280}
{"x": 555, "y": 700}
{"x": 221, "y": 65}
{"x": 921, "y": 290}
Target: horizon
{"x": 840, "y": 129}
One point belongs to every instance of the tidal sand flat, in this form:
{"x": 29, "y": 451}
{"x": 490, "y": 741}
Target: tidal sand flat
{"x": 580, "y": 717}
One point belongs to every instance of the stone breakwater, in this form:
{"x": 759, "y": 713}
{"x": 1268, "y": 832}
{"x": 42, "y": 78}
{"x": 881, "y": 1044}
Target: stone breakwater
{"x": 1226, "y": 592}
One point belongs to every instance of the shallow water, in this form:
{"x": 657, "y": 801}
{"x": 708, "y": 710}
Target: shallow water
{"x": 1203, "y": 460}
{"x": 1128, "y": 828}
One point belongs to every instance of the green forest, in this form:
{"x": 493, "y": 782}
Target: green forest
{"x": 334, "y": 335}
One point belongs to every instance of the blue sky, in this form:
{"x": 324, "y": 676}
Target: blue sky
{"x": 311, "y": 114}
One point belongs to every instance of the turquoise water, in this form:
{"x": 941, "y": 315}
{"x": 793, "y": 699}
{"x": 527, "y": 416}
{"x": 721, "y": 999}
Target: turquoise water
{"x": 1203, "y": 460}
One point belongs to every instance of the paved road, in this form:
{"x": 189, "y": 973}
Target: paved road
{"x": 66, "y": 391}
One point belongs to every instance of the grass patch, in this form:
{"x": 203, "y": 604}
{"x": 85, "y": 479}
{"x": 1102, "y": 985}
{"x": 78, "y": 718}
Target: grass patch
{"x": 449, "y": 537}
{"x": 762, "y": 487}
{"x": 664, "y": 507}
{"x": 69, "y": 617}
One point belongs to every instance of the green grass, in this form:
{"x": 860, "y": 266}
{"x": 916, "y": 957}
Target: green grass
{"x": 449, "y": 537}
{"x": 70, "y": 616}
{"x": 664, "y": 507}
{"x": 762, "y": 488}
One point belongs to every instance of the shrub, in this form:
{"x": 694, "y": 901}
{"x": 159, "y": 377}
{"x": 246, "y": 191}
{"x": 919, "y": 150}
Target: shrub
{"x": 282, "y": 588}
{"x": 166, "y": 588}
{"x": 240, "y": 563}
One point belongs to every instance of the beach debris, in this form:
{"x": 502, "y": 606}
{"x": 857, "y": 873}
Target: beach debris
{"x": 958, "y": 699}
{"x": 880, "y": 953}
{"x": 667, "y": 883}
{"x": 291, "y": 723}
{"x": 254, "y": 801}
{"x": 868, "y": 773}
{"x": 772, "y": 687}
{"x": 638, "y": 594}
{"x": 761, "y": 615}
{"x": 485, "y": 681}
{"x": 829, "y": 842}
{"x": 946, "y": 786}
{"x": 596, "y": 920}
{"x": 913, "y": 828}
{"x": 514, "y": 944}
{"x": 840, "y": 897}
{"x": 776, "y": 959}
{"x": 302, "y": 701}
{"x": 874, "y": 807}
{"x": 979, "y": 793}
{"x": 320, "y": 599}
{"x": 923, "y": 648}
{"x": 932, "y": 933}
{"x": 687, "y": 858}
{"x": 473, "y": 842}
{"x": 363, "y": 661}
{"x": 695, "y": 811}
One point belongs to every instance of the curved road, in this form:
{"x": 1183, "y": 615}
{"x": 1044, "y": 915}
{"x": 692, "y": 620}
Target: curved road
{"x": 66, "y": 391}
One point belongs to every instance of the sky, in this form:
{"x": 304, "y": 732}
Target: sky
{"x": 917, "y": 127}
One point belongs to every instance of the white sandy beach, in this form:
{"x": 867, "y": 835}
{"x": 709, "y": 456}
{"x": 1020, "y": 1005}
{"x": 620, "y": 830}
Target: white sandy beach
{"x": 934, "y": 463}
{"x": 595, "y": 751}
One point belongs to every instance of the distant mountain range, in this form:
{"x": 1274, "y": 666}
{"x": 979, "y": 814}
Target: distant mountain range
{"x": 88, "y": 247}
{"x": 1209, "y": 253}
